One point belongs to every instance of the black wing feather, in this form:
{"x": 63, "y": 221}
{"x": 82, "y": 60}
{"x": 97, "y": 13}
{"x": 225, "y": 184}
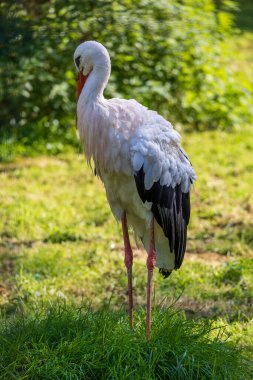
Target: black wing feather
{"x": 171, "y": 209}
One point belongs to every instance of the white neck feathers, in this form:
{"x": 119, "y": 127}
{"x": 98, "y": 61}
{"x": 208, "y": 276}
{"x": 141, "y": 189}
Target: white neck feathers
{"x": 96, "y": 82}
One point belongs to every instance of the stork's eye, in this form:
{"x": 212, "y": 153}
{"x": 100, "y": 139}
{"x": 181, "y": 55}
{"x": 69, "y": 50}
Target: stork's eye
{"x": 77, "y": 61}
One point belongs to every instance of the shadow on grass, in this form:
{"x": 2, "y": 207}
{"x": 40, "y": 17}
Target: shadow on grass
{"x": 9, "y": 256}
{"x": 70, "y": 343}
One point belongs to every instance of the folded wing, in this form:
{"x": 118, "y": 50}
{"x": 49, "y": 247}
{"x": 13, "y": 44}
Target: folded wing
{"x": 163, "y": 177}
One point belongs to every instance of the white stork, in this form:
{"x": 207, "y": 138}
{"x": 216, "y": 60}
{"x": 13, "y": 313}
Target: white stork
{"x": 146, "y": 174}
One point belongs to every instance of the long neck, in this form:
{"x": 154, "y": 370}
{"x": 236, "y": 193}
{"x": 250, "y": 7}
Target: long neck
{"x": 96, "y": 82}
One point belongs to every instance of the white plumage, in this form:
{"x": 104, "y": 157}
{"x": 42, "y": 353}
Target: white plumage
{"x": 137, "y": 155}
{"x": 122, "y": 136}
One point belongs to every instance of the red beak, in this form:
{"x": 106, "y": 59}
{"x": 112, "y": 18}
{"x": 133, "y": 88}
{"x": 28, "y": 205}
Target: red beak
{"x": 81, "y": 79}
{"x": 80, "y": 83}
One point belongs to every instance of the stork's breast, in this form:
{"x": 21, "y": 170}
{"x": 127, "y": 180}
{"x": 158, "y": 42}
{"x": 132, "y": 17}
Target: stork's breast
{"x": 122, "y": 196}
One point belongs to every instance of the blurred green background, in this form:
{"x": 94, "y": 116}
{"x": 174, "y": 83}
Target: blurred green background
{"x": 173, "y": 56}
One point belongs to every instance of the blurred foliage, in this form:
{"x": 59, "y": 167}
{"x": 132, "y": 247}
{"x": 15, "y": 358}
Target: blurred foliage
{"x": 170, "y": 55}
{"x": 244, "y": 16}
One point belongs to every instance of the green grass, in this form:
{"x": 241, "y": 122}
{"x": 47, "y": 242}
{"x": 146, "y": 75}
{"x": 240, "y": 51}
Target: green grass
{"x": 60, "y": 243}
{"x": 58, "y": 235}
{"x": 67, "y": 343}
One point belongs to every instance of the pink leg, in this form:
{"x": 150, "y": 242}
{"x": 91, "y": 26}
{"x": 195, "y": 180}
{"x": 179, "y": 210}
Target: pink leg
{"x": 128, "y": 264}
{"x": 151, "y": 261}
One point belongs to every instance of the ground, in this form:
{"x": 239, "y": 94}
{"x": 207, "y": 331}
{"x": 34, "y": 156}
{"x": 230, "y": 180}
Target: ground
{"x": 59, "y": 239}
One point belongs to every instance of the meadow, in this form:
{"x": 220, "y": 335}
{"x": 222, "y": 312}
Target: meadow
{"x": 62, "y": 249}
{"x": 63, "y": 284}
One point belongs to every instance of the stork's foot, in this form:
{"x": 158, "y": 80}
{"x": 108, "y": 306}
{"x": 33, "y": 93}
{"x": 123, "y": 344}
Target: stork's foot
{"x": 151, "y": 261}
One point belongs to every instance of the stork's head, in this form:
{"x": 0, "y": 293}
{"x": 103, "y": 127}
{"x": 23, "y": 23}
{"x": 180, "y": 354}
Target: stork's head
{"x": 89, "y": 56}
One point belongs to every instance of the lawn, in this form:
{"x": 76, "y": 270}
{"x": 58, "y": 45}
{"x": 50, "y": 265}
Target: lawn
{"x": 61, "y": 246}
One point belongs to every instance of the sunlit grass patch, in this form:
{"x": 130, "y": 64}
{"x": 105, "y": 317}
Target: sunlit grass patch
{"x": 70, "y": 343}
{"x": 58, "y": 239}
{"x": 93, "y": 271}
